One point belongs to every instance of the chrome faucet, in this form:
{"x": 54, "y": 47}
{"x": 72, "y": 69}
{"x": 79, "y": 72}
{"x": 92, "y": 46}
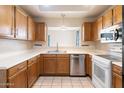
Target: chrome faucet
{"x": 57, "y": 47}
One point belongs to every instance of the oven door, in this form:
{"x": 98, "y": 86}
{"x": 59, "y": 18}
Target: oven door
{"x": 101, "y": 75}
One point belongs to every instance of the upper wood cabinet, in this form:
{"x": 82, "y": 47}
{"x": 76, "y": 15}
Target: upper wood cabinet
{"x": 99, "y": 26}
{"x": 20, "y": 24}
{"x": 86, "y": 31}
{"x": 31, "y": 29}
{"x": 41, "y": 32}
{"x": 6, "y": 21}
{"x": 94, "y": 32}
{"x": 107, "y": 19}
{"x": 117, "y": 14}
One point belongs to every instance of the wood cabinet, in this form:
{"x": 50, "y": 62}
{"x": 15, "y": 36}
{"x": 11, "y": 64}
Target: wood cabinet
{"x": 32, "y": 71}
{"x": 88, "y": 65}
{"x": 116, "y": 76}
{"x": 94, "y": 33}
{"x": 56, "y": 64}
{"x": 31, "y": 29}
{"x": 41, "y": 64}
{"x": 63, "y": 65}
{"x": 49, "y": 66}
{"x": 21, "y": 24}
{"x": 90, "y": 31}
{"x": 99, "y": 26}
{"x": 41, "y": 32}
{"x": 17, "y": 76}
{"x": 108, "y": 19}
{"x": 6, "y": 21}
{"x": 86, "y": 31}
{"x": 22, "y": 75}
{"x": 38, "y": 66}
{"x": 117, "y": 14}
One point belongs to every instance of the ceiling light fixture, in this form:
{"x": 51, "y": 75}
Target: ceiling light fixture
{"x": 63, "y": 20}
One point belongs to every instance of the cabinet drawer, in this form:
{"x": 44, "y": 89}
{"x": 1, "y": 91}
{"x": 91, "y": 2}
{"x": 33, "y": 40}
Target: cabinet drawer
{"x": 49, "y": 55}
{"x": 32, "y": 60}
{"x": 117, "y": 69}
{"x": 16, "y": 68}
{"x": 63, "y": 55}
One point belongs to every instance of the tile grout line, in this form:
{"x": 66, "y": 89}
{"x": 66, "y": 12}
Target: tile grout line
{"x": 81, "y": 84}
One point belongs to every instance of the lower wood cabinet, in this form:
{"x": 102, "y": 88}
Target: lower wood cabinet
{"x": 38, "y": 66}
{"x": 32, "y": 71}
{"x": 41, "y": 64}
{"x": 62, "y": 67}
{"x": 22, "y": 75}
{"x": 116, "y": 76}
{"x": 56, "y": 64}
{"x": 49, "y": 66}
{"x": 88, "y": 65}
{"x": 18, "y": 76}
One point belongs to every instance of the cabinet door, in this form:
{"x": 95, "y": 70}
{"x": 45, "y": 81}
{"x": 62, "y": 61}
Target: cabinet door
{"x": 38, "y": 65}
{"x": 21, "y": 24}
{"x": 62, "y": 66}
{"x": 41, "y": 31}
{"x": 18, "y": 80}
{"x": 94, "y": 34}
{"x": 88, "y": 65}
{"x": 31, "y": 29}
{"x": 50, "y": 66}
{"x": 117, "y": 14}
{"x": 86, "y": 33}
{"x": 99, "y": 26}
{"x": 6, "y": 21}
{"x": 41, "y": 64}
{"x": 32, "y": 72}
{"x": 116, "y": 80}
{"x": 107, "y": 19}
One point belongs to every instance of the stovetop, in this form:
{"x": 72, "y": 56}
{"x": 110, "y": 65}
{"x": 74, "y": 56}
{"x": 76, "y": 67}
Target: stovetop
{"x": 110, "y": 57}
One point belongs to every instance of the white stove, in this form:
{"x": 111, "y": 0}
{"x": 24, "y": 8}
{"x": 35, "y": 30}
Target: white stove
{"x": 102, "y": 70}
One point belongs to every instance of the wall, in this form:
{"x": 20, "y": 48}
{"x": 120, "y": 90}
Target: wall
{"x": 8, "y": 46}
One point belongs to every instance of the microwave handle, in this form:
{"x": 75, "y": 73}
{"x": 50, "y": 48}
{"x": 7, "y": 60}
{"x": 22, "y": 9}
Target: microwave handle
{"x": 116, "y": 34}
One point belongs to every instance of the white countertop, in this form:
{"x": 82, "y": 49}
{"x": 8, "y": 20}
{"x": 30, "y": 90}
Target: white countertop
{"x": 117, "y": 63}
{"x": 12, "y": 59}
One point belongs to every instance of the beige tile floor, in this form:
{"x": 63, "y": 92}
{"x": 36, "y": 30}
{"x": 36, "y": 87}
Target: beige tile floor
{"x": 63, "y": 82}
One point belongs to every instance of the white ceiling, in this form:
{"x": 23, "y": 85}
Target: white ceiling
{"x": 71, "y": 11}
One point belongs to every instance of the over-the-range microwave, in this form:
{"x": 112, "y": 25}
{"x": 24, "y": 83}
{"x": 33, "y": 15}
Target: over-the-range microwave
{"x": 111, "y": 34}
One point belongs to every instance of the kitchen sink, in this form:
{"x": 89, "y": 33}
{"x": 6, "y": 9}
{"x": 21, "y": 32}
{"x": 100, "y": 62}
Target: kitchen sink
{"x": 56, "y": 52}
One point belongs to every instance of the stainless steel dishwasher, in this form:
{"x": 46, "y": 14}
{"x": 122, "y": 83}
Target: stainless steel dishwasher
{"x": 77, "y": 65}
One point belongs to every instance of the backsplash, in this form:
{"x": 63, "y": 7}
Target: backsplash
{"x": 8, "y": 46}
{"x": 112, "y": 47}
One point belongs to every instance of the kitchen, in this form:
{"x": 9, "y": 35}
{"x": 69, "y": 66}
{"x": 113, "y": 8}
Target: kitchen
{"x": 61, "y": 46}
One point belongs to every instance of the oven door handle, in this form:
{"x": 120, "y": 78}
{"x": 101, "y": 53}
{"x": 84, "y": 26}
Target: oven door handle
{"x": 116, "y": 35}
{"x": 101, "y": 65}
